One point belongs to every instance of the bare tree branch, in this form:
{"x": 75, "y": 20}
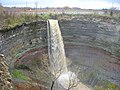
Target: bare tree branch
{"x": 73, "y": 80}
{"x": 47, "y": 68}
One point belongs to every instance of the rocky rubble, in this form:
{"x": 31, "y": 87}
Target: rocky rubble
{"x": 5, "y": 78}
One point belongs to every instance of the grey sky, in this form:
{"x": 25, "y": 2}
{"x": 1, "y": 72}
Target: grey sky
{"x": 91, "y": 4}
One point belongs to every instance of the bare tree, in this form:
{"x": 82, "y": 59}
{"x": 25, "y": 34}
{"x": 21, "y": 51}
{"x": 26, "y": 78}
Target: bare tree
{"x": 57, "y": 73}
{"x": 73, "y": 80}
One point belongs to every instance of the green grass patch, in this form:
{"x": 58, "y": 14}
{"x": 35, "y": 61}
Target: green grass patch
{"x": 12, "y": 21}
{"x": 106, "y": 85}
{"x": 19, "y": 74}
{"x": 44, "y": 16}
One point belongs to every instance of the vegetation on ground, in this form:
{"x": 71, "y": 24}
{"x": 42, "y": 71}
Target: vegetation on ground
{"x": 106, "y": 85}
{"x": 9, "y": 20}
{"x": 19, "y": 74}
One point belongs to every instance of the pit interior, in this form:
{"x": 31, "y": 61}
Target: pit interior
{"x": 92, "y": 44}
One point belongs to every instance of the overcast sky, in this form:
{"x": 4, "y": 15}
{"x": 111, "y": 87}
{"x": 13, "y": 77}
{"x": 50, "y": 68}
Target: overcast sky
{"x": 84, "y": 4}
